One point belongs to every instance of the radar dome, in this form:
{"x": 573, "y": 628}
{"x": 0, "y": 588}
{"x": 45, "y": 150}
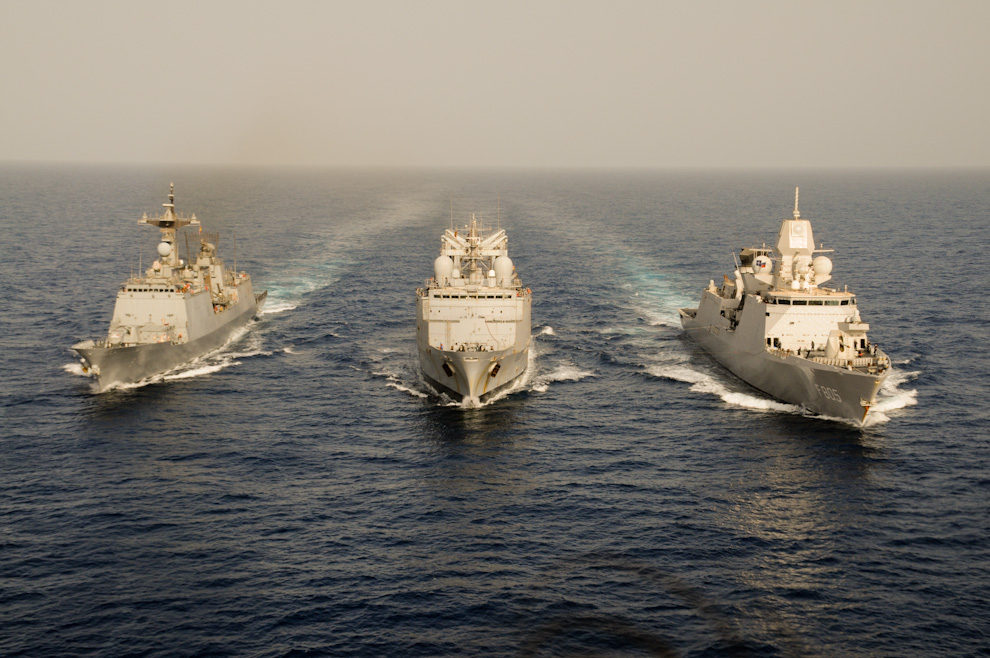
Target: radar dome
{"x": 503, "y": 270}
{"x": 443, "y": 266}
{"x": 762, "y": 265}
{"x": 823, "y": 266}
{"x": 164, "y": 249}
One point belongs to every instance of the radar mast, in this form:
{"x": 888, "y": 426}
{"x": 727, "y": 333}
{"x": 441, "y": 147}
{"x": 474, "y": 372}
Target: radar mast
{"x": 168, "y": 222}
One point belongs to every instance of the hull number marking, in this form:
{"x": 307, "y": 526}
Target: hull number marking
{"x": 828, "y": 393}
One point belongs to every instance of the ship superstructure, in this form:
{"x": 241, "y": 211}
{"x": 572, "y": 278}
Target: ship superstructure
{"x": 774, "y": 325}
{"x": 473, "y": 322}
{"x": 175, "y": 312}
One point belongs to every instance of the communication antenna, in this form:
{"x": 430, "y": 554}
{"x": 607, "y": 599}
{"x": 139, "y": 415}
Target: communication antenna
{"x": 451, "y": 212}
{"x": 797, "y": 213}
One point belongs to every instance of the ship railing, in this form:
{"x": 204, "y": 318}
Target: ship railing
{"x": 880, "y": 361}
{"x": 473, "y": 291}
{"x": 471, "y": 347}
{"x": 857, "y": 362}
{"x": 427, "y": 285}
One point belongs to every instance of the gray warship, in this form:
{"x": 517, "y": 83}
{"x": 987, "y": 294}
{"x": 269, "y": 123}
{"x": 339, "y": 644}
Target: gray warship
{"x": 775, "y": 326}
{"x": 173, "y": 314}
{"x": 473, "y": 317}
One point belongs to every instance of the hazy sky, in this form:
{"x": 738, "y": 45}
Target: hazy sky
{"x": 540, "y": 83}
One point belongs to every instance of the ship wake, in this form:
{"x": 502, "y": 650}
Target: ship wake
{"x": 892, "y": 395}
{"x": 288, "y": 293}
{"x": 543, "y": 370}
{"x": 703, "y": 382}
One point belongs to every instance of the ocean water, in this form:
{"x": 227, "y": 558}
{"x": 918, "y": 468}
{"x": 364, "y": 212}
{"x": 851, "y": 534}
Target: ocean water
{"x": 302, "y": 492}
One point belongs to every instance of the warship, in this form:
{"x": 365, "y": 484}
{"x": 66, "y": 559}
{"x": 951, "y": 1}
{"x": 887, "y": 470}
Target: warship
{"x": 473, "y": 317}
{"x": 775, "y": 326}
{"x": 173, "y": 314}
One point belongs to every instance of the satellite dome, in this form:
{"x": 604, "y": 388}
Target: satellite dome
{"x": 164, "y": 249}
{"x": 443, "y": 266}
{"x": 822, "y": 266}
{"x": 762, "y": 264}
{"x": 503, "y": 270}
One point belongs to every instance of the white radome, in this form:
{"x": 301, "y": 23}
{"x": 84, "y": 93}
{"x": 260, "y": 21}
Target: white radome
{"x": 822, "y": 266}
{"x": 443, "y": 267}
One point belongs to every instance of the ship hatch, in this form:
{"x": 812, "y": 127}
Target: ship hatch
{"x": 495, "y": 370}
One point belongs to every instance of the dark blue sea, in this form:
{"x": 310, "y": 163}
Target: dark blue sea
{"x": 303, "y": 493}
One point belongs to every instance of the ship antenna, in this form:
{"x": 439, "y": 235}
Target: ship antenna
{"x": 498, "y": 207}
{"x": 452, "y": 212}
{"x": 797, "y": 213}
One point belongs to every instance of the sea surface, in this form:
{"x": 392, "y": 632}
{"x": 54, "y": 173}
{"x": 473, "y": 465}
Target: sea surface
{"x": 302, "y": 492}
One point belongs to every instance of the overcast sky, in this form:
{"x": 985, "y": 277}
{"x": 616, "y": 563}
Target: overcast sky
{"x": 462, "y": 83}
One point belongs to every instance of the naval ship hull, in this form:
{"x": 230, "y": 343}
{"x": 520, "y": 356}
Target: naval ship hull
{"x": 824, "y": 389}
{"x": 476, "y": 307}
{"x": 130, "y": 364}
{"x": 471, "y": 376}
